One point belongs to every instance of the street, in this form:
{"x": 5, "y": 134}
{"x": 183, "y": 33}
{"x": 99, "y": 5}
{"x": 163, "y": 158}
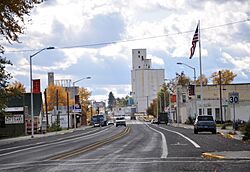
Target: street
{"x": 138, "y": 147}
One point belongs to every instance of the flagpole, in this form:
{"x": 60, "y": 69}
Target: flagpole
{"x": 202, "y": 105}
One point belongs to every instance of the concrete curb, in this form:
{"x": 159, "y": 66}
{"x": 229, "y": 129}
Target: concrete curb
{"x": 211, "y": 156}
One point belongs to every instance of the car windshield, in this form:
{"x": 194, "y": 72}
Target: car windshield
{"x": 205, "y": 118}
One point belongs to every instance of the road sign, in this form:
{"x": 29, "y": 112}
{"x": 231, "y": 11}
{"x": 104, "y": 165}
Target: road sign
{"x": 77, "y": 108}
{"x": 233, "y": 97}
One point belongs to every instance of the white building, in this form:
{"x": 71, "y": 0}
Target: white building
{"x": 211, "y": 102}
{"x": 145, "y": 81}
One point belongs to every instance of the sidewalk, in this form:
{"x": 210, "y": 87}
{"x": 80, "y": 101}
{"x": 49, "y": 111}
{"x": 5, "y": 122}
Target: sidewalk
{"x": 28, "y": 137}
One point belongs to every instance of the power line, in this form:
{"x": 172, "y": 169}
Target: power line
{"x": 137, "y": 39}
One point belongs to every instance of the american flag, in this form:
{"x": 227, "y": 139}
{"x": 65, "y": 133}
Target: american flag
{"x": 195, "y": 39}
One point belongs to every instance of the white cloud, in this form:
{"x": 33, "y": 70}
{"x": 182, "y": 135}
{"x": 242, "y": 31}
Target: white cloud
{"x": 72, "y": 22}
{"x": 241, "y": 64}
{"x": 156, "y": 60}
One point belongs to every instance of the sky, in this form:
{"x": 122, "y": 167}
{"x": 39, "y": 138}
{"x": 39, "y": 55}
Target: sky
{"x": 164, "y": 27}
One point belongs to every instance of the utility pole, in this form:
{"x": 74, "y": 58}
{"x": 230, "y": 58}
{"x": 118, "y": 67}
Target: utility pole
{"x": 68, "y": 107}
{"x": 46, "y": 108}
{"x": 220, "y": 98}
{"x": 57, "y": 108}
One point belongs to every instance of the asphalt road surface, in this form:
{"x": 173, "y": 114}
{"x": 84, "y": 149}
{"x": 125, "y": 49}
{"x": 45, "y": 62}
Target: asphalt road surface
{"x": 137, "y": 147}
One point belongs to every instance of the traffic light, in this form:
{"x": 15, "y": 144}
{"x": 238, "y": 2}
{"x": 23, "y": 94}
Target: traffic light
{"x": 77, "y": 99}
{"x": 97, "y": 110}
{"x": 191, "y": 90}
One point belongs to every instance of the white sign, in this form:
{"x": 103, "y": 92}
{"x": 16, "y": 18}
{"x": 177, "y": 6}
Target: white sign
{"x": 14, "y": 119}
{"x": 13, "y": 109}
{"x": 77, "y": 108}
{"x": 233, "y": 97}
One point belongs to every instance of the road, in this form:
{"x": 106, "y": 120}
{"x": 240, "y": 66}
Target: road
{"x": 137, "y": 147}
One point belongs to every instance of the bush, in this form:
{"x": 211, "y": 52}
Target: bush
{"x": 190, "y": 120}
{"x": 224, "y": 126}
{"x": 54, "y": 127}
{"x": 247, "y": 131}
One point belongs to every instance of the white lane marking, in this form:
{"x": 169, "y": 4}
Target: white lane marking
{"x": 49, "y": 144}
{"x": 191, "y": 141}
{"x": 76, "y": 163}
{"x": 164, "y": 143}
{"x": 16, "y": 147}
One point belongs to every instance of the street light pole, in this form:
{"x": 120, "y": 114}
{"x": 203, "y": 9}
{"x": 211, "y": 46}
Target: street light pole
{"x": 31, "y": 89}
{"x": 180, "y": 63}
{"x": 74, "y": 114}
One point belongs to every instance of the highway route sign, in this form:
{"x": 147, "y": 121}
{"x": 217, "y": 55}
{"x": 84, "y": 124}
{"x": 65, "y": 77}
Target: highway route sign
{"x": 233, "y": 97}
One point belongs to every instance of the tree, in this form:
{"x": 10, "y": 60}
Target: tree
{"x": 227, "y": 77}
{"x": 111, "y": 101}
{"x": 84, "y": 96}
{"x": 204, "y": 80}
{"x": 12, "y": 17}
{"x": 52, "y": 97}
{"x": 16, "y": 87}
{"x": 182, "y": 79}
{"x": 152, "y": 108}
{"x": 122, "y": 102}
{"x": 4, "y": 77}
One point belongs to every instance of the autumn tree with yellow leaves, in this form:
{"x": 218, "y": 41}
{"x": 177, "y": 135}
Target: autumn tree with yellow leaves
{"x": 84, "y": 96}
{"x": 227, "y": 76}
{"x": 52, "y": 96}
{"x": 16, "y": 88}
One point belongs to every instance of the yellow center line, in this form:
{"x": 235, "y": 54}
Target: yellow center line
{"x": 91, "y": 146}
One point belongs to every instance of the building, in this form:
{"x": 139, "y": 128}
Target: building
{"x": 145, "y": 81}
{"x": 18, "y": 120}
{"x": 99, "y": 106}
{"x": 211, "y": 102}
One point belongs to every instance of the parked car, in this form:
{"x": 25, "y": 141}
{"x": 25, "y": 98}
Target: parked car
{"x": 120, "y": 121}
{"x": 204, "y": 123}
{"x": 154, "y": 121}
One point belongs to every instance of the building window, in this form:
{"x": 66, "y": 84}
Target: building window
{"x": 138, "y": 52}
{"x": 148, "y": 66}
{"x": 2, "y": 122}
{"x": 139, "y": 67}
{"x": 138, "y": 56}
{"x": 142, "y": 57}
{"x": 209, "y": 111}
{"x": 200, "y": 111}
{"x": 217, "y": 114}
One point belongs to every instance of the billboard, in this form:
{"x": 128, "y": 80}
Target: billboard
{"x": 14, "y": 119}
{"x": 36, "y": 86}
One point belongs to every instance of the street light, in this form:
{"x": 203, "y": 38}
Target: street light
{"x": 31, "y": 89}
{"x": 180, "y": 63}
{"x": 75, "y": 95}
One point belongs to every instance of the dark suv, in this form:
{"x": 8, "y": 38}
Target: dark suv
{"x": 204, "y": 123}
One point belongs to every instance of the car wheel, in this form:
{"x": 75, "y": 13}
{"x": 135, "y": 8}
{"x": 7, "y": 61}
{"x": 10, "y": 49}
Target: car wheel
{"x": 195, "y": 131}
{"x": 214, "y": 132}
